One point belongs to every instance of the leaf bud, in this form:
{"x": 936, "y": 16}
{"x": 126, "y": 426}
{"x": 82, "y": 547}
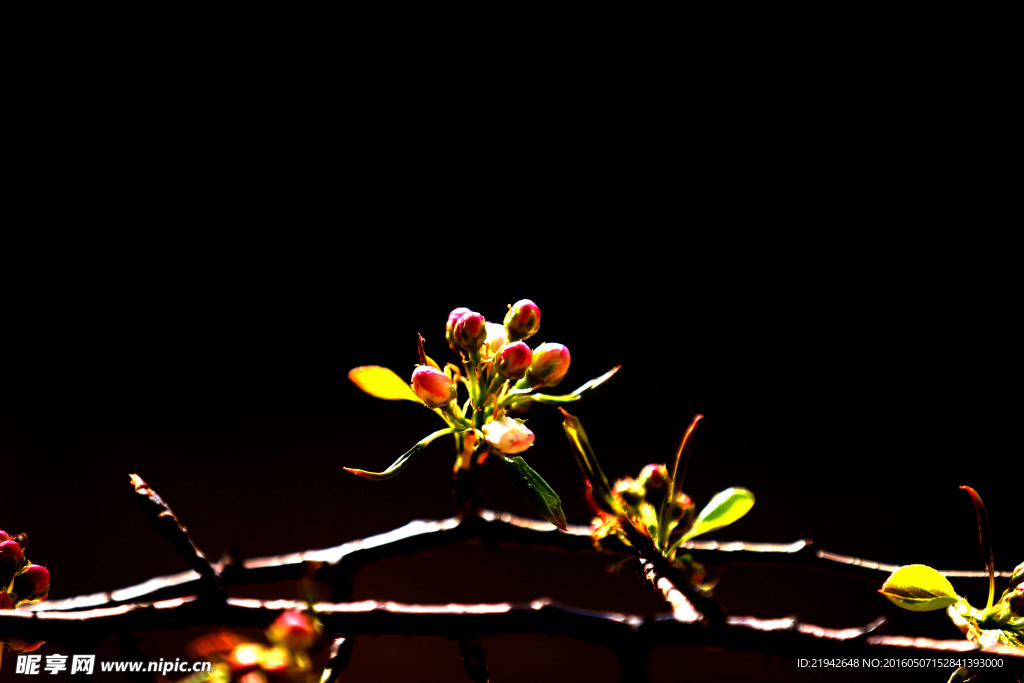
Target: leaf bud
{"x": 33, "y": 583}
{"x": 1017, "y": 601}
{"x": 433, "y": 387}
{"x": 508, "y": 435}
{"x": 470, "y": 331}
{"x": 549, "y": 365}
{"x": 522, "y": 320}
{"x": 653, "y": 480}
{"x": 684, "y": 510}
{"x": 514, "y": 360}
{"x": 1017, "y": 577}
{"x": 628, "y": 492}
{"x": 449, "y": 328}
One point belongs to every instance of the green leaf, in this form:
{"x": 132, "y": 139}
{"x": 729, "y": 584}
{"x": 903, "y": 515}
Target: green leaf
{"x": 919, "y": 588}
{"x": 382, "y": 383}
{"x": 722, "y": 510}
{"x": 581, "y": 391}
{"x": 587, "y": 461}
{"x": 535, "y": 490}
{"x": 398, "y": 465}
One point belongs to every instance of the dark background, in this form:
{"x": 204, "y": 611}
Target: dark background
{"x": 831, "y": 292}
{"x": 852, "y": 396}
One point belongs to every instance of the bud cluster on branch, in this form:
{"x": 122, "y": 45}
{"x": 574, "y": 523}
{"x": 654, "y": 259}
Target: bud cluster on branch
{"x": 21, "y": 582}
{"x": 500, "y": 373}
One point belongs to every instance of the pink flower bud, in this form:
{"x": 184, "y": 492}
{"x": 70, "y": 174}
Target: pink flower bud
{"x": 654, "y": 475}
{"x": 432, "y": 386}
{"x": 508, "y": 436}
{"x": 513, "y": 360}
{"x": 550, "y": 363}
{"x": 522, "y": 320}
{"x": 470, "y": 331}
{"x": 495, "y": 336}
{"x": 10, "y": 561}
{"x": 4, "y": 536}
{"x": 294, "y": 630}
{"x": 449, "y": 328}
{"x": 33, "y": 583}
{"x": 6, "y": 601}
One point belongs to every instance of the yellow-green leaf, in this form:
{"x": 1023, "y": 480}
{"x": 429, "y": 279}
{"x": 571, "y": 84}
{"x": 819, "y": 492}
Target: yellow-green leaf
{"x": 580, "y": 392}
{"x": 722, "y": 510}
{"x": 402, "y": 461}
{"x": 383, "y": 383}
{"x": 919, "y": 588}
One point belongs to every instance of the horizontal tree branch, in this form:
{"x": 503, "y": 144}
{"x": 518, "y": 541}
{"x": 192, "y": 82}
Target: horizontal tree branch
{"x": 785, "y": 637}
{"x": 185, "y": 600}
{"x": 335, "y": 565}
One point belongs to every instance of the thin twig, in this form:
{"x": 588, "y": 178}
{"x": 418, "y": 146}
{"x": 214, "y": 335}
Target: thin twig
{"x": 341, "y": 653}
{"x": 173, "y": 531}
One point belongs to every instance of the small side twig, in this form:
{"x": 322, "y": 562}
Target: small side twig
{"x": 341, "y": 654}
{"x": 175, "y": 533}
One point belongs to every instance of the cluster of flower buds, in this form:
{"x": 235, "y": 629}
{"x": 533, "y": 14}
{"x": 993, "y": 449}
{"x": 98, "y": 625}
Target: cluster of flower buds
{"x": 500, "y": 372}
{"x": 294, "y": 630}
{"x": 493, "y": 358}
{"x": 292, "y": 634}
{"x": 20, "y": 582}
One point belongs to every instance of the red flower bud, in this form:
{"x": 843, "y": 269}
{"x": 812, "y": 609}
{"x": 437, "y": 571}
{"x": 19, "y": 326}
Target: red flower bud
{"x": 522, "y": 320}
{"x": 432, "y": 386}
{"x": 470, "y": 331}
{"x": 10, "y": 561}
{"x": 654, "y": 476}
{"x": 294, "y": 630}
{"x": 6, "y": 601}
{"x": 33, "y": 583}
{"x": 449, "y": 328}
{"x": 513, "y": 360}
{"x": 550, "y": 363}
{"x": 4, "y": 536}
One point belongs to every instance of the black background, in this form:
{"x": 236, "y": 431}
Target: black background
{"x": 834, "y": 298}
